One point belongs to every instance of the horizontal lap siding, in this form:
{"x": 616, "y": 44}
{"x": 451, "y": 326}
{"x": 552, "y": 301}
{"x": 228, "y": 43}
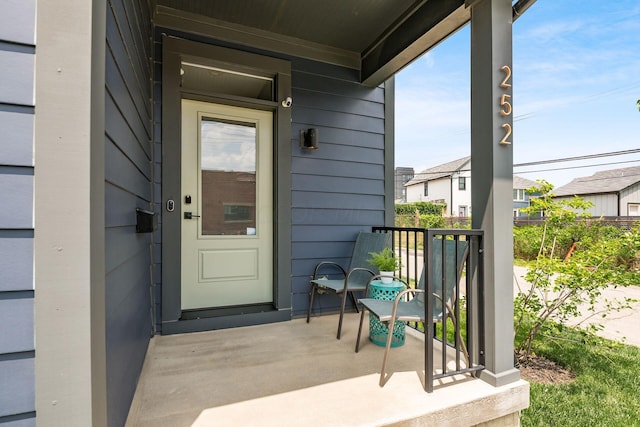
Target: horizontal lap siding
{"x": 16, "y": 143}
{"x": 128, "y": 176}
{"x": 157, "y": 181}
{"x": 337, "y": 190}
{"x": 17, "y": 347}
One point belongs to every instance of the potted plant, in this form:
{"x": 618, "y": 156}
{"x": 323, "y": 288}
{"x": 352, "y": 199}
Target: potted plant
{"x": 386, "y": 263}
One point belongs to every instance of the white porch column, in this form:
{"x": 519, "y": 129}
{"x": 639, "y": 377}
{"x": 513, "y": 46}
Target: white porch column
{"x": 69, "y": 213}
{"x": 492, "y": 171}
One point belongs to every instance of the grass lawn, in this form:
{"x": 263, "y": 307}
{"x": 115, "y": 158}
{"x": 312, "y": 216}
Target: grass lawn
{"x": 606, "y": 389}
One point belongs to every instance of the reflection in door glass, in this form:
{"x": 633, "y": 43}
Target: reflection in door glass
{"x": 228, "y": 176}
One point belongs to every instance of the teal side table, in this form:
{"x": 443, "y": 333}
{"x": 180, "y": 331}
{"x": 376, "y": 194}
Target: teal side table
{"x": 377, "y": 329}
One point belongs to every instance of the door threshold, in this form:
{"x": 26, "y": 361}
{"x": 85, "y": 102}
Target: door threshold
{"x": 225, "y": 311}
{"x": 228, "y": 320}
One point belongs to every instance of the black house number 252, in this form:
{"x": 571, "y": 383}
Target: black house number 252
{"x": 505, "y": 105}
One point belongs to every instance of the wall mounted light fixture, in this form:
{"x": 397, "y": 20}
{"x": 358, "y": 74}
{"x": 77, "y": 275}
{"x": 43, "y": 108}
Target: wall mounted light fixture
{"x": 309, "y": 139}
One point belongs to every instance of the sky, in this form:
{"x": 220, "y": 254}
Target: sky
{"x": 576, "y": 79}
{"x": 228, "y": 147}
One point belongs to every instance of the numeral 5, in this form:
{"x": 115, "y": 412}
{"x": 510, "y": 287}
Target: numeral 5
{"x": 505, "y": 106}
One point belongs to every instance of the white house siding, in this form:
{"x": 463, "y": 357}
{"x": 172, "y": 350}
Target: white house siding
{"x": 438, "y": 190}
{"x": 17, "y": 347}
{"x": 445, "y": 189}
{"x": 442, "y": 190}
{"x": 460, "y": 197}
{"x": 629, "y": 196}
{"x": 415, "y": 193}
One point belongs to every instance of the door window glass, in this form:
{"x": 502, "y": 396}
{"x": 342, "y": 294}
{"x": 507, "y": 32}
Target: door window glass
{"x": 228, "y": 177}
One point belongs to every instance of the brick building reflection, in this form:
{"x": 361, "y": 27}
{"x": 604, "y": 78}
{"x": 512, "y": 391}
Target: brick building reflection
{"x": 228, "y": 203}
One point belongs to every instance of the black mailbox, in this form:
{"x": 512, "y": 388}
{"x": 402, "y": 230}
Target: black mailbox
{"x": 145, "y": 221}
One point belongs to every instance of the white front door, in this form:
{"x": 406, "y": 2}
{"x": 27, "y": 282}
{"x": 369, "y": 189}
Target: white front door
{"x": 227, "y": 206}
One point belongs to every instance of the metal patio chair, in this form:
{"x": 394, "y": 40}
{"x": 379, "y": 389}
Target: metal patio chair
{"x": 353, "y": 279}
{"x": 414, "y": 309}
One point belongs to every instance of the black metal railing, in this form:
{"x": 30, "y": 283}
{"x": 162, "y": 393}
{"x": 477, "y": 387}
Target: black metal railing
{"x": 456, "y": 303}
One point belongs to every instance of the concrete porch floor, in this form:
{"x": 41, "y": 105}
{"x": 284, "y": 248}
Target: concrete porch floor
{"x": 294, "y": 373}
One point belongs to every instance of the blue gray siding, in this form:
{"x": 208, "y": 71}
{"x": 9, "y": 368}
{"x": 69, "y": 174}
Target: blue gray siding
{"x": 17, "y": 347}
{"x": 337, "y": 190}
{"x": 157, "y": 183}
{"x": 128, "y": 185}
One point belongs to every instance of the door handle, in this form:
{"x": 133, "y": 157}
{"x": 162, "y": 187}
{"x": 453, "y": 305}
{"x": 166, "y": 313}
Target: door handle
{"x": 189, "y": 215}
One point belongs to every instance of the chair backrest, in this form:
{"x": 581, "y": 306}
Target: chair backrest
{"x": 365, "y": 243}
{"x": 453, "y": 266}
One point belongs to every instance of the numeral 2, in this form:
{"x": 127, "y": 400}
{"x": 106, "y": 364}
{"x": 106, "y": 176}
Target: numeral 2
{"x": 507, "y": 71}
{"x": 505, "y": 138}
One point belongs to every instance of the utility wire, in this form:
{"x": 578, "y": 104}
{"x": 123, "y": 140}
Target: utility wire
{"x": 584, "y": 157}
{"x": 577, "y": 167}
{"x": 560, "y": 160}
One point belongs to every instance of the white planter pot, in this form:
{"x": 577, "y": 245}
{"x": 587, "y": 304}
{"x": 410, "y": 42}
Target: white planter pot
{"x": 387, "y": 276}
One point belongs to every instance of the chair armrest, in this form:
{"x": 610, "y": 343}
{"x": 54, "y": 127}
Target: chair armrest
{"x": 331, "y": 264}
{"x": 407, "y": 291}
{"x": 400, "y": 296}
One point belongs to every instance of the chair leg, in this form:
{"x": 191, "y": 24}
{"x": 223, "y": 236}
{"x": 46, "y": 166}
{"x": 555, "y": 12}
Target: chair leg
{"x": 311, "y": 293}
{"x": 360, "y": 329}
{"x": 344, "y": 303}
{"x": 353, "y": 300}
{"x": 463, "y": 346}
{"x": 390, "y": 325}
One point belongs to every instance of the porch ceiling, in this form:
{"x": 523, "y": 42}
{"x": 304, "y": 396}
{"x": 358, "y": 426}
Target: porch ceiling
{"x": 378, "y": 37}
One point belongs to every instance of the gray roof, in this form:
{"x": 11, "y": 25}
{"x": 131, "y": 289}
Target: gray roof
{"x": 440, "y": 171}
{"x": 611, "y": 181}
{"x": 448, "y": 169}
{"x": 523, "y": 183}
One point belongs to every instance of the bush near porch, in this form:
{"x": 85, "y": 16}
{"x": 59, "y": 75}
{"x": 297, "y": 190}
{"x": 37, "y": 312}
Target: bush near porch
{"x": 571, "y": 261}
{"x": 562, "y": 284}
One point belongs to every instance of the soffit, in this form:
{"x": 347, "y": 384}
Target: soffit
{"x": 344, "y": 24}
{"x": 378, "y": 37}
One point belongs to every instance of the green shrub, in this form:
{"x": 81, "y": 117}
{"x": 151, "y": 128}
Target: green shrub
{"x": 405, "y": 221}
{"x": 527, "y": 239}
{"x": 560, "y": 287}
{"x": 432, "y": 221}
{"x": 526, "y": 242}
{"x": 423, "y": 208}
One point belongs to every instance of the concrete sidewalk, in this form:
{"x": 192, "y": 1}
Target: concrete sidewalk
{"x": 621, "y": 326}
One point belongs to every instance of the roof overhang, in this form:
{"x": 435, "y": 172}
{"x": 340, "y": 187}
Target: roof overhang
{"x": 376, "y": 37}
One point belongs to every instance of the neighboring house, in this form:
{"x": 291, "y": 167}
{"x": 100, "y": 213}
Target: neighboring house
{"x": 521, "y": 199}
{"x": 613, "y": 192}
{"x": 402, "y": 176}
{"x": 108, "y": 107}
{"x": 450, "y": 183}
